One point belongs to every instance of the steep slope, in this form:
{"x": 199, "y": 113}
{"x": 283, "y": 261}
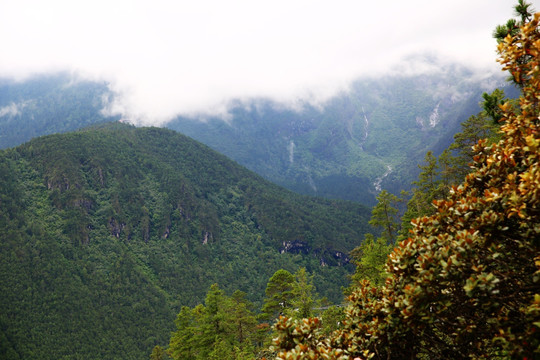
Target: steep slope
{"x": 358, "y": 142}
{"x": 368, "y": 138}
{"x": 49, "y": 104}
{"x": 106, "y": 232}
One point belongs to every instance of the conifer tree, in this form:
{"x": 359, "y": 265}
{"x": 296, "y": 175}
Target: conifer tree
{"x": 302, "y": 301}
{"x": 224, "y": 328}
{"x": 370, "y": 258}
{"x": 242, "y": 316}
{"x": 466, "y": 284}
{"x": 278, "y": 294}
{"x": 384, "y": 215}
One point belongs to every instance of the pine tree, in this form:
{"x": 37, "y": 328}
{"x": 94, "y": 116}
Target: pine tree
{"x": 384, "y": 215}
{"x": 184, "y": 343}
{"x": 302, "y": 301}
{"x": 278, "y": 295}
{"x": 370, "y": 258}
{"x": 466, "y": 284}
{"x": 243, "y": 318}
{"x": 224, "y": 327}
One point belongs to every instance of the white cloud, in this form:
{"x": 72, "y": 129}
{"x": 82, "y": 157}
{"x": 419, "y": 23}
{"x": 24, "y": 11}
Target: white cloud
{"x": 170, "y": 57}
{"x": 12, "y": 109}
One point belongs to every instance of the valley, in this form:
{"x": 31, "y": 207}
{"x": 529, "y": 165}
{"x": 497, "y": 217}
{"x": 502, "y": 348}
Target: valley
{"x": 111, "y": 217}
{"x": 242, "y": 181}
{"x": 343, "y": 148}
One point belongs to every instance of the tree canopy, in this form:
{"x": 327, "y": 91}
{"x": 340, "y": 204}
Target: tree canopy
{"x": 466, "y": 283}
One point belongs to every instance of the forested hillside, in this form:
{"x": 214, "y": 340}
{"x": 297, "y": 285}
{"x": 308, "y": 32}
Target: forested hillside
{"x": 464, "y": 282}
{"x": 367, "y": 138}
{"x": 125, "y": 242}
{"x": 358, "y": 142}
{"x": 107, "y": 232}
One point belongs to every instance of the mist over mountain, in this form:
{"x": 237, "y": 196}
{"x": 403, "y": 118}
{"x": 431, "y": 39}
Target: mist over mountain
{"x": 48, "y": 104}
{"x": 361, "y": 141}
{"x": 194, "y": 180}
{"x": 165, "y": 58}
{"x": 130, "y": 223}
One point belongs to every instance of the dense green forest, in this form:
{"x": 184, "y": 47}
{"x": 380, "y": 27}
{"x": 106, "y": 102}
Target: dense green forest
{"x": 358, "y": 142}
{"x": 107, "y": 232}
{"x": 463, "y": 282}
{"x": 217, "y": 328}
{"x": 119, "y": 242}
{"x": 453, "y": 275}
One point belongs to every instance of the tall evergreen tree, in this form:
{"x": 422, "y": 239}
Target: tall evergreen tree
{"x": 224, "y": 328}
{"x": 184, "y": 343}
{"x": 278, "y": 294}
{"x": 466, "y": 283}
{"x": 370, "y": 258}
{"x": 384, "y": 215}
{"x": 243, "y": 317}
{"x": 302, "y": 301}
{"x": 371, "y": 255}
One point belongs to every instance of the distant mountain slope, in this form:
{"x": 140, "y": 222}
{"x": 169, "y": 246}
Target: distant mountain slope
{"x": 369, "y": 138}
{"x": 48, "y": 104}
{"x": 105, "y": 232}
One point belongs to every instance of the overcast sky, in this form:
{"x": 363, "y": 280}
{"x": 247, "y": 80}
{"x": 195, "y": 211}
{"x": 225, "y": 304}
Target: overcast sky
{"x": 164, "y": 58}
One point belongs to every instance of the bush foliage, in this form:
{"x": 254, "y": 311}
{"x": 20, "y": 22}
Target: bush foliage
{"x": 465, "y": 284}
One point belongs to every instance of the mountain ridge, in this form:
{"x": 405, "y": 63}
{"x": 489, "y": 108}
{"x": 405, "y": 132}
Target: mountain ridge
{"x": 107, "y": 231}
{"x": 343, "y": 148}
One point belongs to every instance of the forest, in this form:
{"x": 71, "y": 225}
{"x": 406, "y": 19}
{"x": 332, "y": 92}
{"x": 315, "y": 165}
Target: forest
{"x": 124, "y": 242}
{"x": 107, "y": 232}
{"x": 453, "y": 275}
{"x": 464, "y": 282}
{"x": 379, "y": 126}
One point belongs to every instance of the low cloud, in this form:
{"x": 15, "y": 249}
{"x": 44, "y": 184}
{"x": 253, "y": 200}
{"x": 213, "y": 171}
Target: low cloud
{"x": 12, "y": 109}
{"x": 164, "y": 58}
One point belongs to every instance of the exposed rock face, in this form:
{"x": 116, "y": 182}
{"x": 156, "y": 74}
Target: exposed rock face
{"x": 326, "y": 256}
{"x": 295, "y": 247}
{"x": 206, "y": 236}
{"x": 115, "y": 227}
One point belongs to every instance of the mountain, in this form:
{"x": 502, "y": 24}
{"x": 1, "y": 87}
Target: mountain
{"x": 358, "y": 142}
{"x": 107, "y": 231}
{"x": 367, "y": 138}
{"x": 48, "y": 104}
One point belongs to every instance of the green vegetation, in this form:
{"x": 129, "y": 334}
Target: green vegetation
{"x": 200, "y": 336}
{"x": 227, "y": 328}
{"x": 371, "y": 136}
{"x": 465, "y": 283}
{"x": 340, "y": 150}
{"x": 49, "y": 104}
{"x": 438, "y": 175}
{"x": 108, "y": 232}
{"x": 223, "y": 328}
